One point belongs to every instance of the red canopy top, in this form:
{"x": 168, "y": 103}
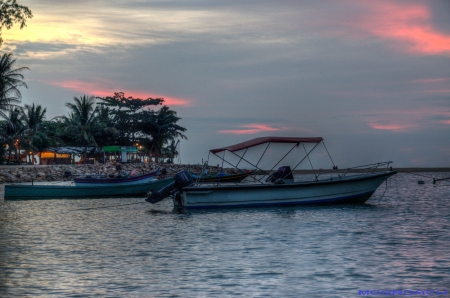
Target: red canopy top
{"x": 259, "y": 141}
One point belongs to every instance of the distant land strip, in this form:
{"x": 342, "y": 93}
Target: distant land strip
{"x": 423, "y": 169}
{"x": 407, "y": 170}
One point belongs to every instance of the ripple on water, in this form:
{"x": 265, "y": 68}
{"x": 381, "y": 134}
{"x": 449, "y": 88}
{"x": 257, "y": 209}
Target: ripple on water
{"x": 397, "y": 240}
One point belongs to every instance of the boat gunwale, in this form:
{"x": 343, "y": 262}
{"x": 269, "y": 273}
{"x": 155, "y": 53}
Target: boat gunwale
{"x": 115, "y": 180}
{"x": 352, "y": 178}
{"x": 224, "y": 178}
{"x": 16, "y": 185}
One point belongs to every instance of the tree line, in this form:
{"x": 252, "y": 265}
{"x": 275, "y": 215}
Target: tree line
{"x": 90, "y": 122}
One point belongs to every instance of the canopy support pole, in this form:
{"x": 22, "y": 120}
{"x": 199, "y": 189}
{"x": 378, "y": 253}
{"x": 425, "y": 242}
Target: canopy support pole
{"x": 242, "y": 157}
{"x": 315, "y": 176}
{"x": 263, "y": 153}
{"x": 296, "y": 145}
{"x": 328, "y": 154}
{"x": 305, "y": 156}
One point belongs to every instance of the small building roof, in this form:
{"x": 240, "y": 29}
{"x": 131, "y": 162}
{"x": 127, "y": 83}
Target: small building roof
{"x": 73, "y": 150}
{"x": 131, "y": 149}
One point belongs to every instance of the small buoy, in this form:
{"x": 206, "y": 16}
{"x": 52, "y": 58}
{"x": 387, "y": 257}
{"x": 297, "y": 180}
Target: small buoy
{"x": 420, "y": 182}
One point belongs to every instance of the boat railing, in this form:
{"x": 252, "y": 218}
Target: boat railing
{"x": 363, "y": 170}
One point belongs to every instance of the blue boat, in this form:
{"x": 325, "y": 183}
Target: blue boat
{"x": 72, "y": 191}
{"x": 120, "y": 180}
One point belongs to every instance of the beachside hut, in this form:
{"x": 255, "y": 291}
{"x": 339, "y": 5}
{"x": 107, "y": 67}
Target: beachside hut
{"x": 67, "y": 155}
{"x": 121, "y": 153}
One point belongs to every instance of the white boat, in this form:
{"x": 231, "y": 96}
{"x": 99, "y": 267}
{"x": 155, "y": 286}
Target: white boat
{"x": 353, "y": 185}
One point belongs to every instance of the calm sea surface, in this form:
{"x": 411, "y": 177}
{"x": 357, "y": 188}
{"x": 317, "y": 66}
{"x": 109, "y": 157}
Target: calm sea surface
{"x": 399, "y": 239}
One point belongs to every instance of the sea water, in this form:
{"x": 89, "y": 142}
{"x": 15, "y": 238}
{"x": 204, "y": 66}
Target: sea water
{"x": 398, "y": 241}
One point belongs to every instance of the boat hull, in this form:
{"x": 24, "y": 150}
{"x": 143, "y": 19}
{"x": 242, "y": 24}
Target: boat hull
{"x": 39, "y": 192}
{"x": 355, "y": 189}
{"x": 225, "y": 178}
{"x": 146, "y": 178}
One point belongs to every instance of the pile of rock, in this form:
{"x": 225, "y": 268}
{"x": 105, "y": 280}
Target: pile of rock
{"x": 66, "y": 172}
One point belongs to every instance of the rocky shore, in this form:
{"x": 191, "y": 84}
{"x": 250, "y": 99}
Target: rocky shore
{"x": 27, "y": 173}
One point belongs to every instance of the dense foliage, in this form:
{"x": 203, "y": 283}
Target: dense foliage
{"x": 10, "y": 13}
{"x": 90, "y": 122}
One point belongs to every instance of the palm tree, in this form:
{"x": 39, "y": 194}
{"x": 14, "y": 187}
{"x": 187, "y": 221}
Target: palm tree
{"x": 33, "y": 116}
{"x": 10, "y": 81}
{"x": 106, "y": 135}
{"x": 171, "y": 150}
{"x": 12, "y": 132}
{"x": 81, "y": 123}
{"x": 46, "y": 137}
{"x": 162, "y": 128}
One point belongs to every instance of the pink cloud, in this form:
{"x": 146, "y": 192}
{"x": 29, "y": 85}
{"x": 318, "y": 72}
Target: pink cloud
{"x": 434, "y": 80}
{"x": 435, "y": 84}
{"x": 408, "y": 120}
{"x": 250, "y": 129}
{"x": 406, "y": 26}
{"x": 439, "y": 91}
{"x": 99, "y": 89}
{"x": 390, "y": 127}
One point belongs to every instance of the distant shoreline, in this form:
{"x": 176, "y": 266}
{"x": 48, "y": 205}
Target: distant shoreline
{"x": 422, "y": 169}
{"x": 412, "y": 169}
{"x": 400, "y": 170}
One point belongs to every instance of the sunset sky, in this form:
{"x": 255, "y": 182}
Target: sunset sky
{"x": 370, "y": 77}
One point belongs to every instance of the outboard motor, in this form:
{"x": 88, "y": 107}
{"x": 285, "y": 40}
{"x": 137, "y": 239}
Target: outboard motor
{"x": 282, "y": 176}
{"x": 182, "y": 179}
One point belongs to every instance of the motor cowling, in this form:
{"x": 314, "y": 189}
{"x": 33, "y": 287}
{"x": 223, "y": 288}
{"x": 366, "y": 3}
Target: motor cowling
{"x": 156, "y": 196}
{"x": 283, "y": 175}
{"x": 182, "y": 179}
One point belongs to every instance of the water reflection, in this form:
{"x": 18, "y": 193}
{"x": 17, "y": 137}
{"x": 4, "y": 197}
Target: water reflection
{"x": 53, "y": 248}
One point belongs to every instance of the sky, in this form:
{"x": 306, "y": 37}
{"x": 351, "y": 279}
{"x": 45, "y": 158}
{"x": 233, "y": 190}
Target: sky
{"x": 370, "y": 77}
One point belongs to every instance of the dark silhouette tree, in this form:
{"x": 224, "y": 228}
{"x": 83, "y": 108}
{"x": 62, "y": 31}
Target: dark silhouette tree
{"x": 11, "y": 13}
{"x": 10, "y": 81}
{"x": 33, "y": 116}
{"x": 46, "y": 136}
{"x": 80, "y": 125}
{"x": 124, "y": 111}
{"x": 170, "y": 150}
{"x": 109, "y": 133}
{"x": 162, "y": 127}
{"x": 12, "y": 131}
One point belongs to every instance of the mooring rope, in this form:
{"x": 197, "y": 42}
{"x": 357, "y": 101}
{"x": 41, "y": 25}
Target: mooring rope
{"x": 396, "y": 184}
{"x": 384, "y": 190}
{"x": 436, "y": 181}
{"x": 411, "y": 173}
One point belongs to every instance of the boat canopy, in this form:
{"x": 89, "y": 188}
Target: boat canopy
{"x": 263, "y": 140}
